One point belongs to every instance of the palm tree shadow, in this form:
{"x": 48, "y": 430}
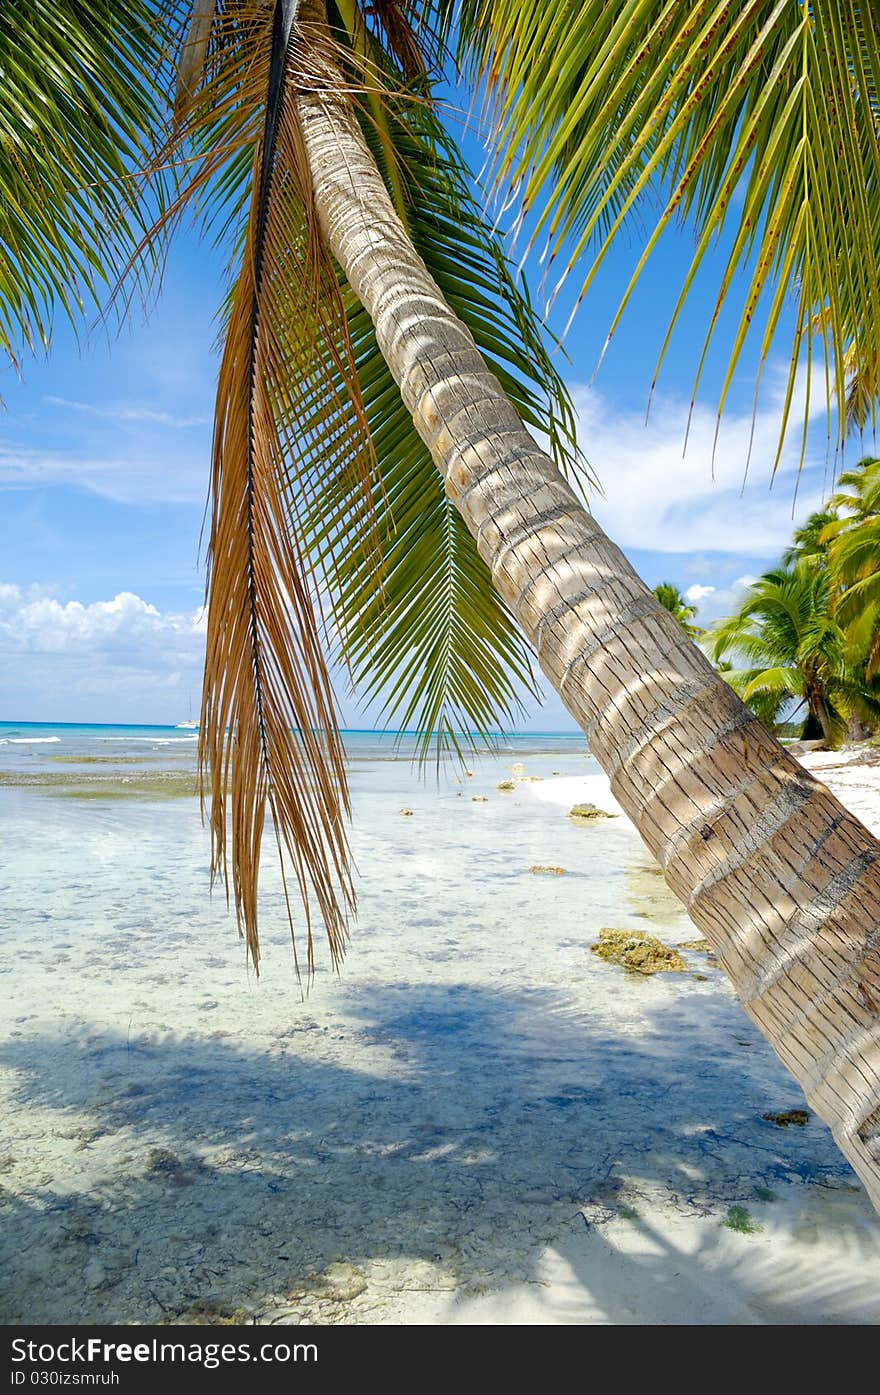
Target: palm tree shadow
{"x": 469, "y": 1131}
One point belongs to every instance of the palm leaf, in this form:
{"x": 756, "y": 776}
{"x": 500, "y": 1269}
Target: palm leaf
{"x": 759, "y": 121}
{"x": 269, "y": 733}
{"x": 83, "y": 91}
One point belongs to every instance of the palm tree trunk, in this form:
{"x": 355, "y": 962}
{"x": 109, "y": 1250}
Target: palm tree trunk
{"x": 779, "y": 877}
{"x": 819, "y": 711}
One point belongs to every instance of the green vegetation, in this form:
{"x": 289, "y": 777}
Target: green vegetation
{"x": 803, "y": 648}
{"x": 672, "y": 600}
{"x": 765, "y": 1194}
{"x": 809, "y": 631}
{"x": 585, "y": 813}
{"x": 792, "y": 645}
{"x": 786, "y": 1117}
{"x": 640, "y": 954}
{"x": 738, "y": 1219}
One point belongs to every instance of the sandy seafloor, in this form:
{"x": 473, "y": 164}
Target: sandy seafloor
{"x": 479, "y": 1121}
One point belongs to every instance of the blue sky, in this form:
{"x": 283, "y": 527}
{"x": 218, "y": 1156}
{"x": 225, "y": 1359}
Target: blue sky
{"x": 104, "y": 452}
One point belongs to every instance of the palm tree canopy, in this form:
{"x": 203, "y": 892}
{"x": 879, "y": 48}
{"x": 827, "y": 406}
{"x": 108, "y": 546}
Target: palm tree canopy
{"x": 852, "y": 541}
{"x": 671, "y": 598}
{"x": 789, "y": 643}
{"x": 82, "y": 96}
{"x": 757, "y": 119}
{"x": 810, "y": 541}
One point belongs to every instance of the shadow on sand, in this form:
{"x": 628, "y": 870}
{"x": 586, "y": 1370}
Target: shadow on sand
{"x": 437, "y": 1147}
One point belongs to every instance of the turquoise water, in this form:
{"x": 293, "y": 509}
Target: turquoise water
{"x": 39, "y": 742}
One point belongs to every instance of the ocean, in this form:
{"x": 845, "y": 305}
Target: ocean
{"x": 93, "y": 738}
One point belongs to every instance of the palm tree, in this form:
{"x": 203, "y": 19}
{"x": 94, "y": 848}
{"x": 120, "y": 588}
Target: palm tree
{"x": 787, "y": 634}
{"x": 852, "y": 541}
{"x": 809, "y": 543}
{"x": 308, "y": 131}
{"x": 671, "y": 599}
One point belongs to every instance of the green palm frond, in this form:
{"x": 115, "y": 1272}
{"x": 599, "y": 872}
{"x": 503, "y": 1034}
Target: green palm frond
{"x": 426, "y": 637}
{"x": 757, "y": 120}
{"x": 781, "y": 682}
{"x": 83, "y": 88}
{"x": 853, "y": 548}
{"x": 796, "y": 642}
{"x": 671, "y": 598}
{"x": 861, "y": 596}
{"x": 810, "y": 540}
{"x": 766, "y": 691}
{"x": 858, "y": 489}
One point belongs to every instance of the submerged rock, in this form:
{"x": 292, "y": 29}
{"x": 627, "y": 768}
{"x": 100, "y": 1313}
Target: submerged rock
{"x": 479, "y": 799}
{"x": 506, "y": 786}
{"x": 341, "y": 1281}
{"x": 586, "y": 812}
{"x": 551, "y": 871}
{"x": 641, "y": 954}
{"x": 407, "y": 813}
{"x": 94, "y": 1274}
{"x": 798, "y": 1117}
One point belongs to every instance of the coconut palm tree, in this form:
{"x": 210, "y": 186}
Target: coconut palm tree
{"x": 787, "y": 634}
{"x": 671, "y": 599}
{"x": 852, "y": 541}
{"x": 809, "y": 543}
{"x": 308, "y": 131}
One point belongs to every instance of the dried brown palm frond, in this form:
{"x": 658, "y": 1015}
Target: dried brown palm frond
{"x": 863, "y": 388}
{"x": 399, "y": 35}
{"x": 269, "y": 731}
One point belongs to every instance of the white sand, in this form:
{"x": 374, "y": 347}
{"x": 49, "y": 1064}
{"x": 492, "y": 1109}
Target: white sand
{"x": 479, "y": 1122}
{"x": 856, "y": 784}
{"x": 566, "y": 791}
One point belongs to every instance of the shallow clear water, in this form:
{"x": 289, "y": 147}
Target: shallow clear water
{"x": 473, "y": 1085}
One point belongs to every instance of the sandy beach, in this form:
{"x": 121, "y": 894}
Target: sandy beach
{"x": 478, "y": 1121}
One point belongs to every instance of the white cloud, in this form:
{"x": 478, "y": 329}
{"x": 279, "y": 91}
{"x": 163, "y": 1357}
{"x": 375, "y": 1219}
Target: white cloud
{"x": 663, "y": 498}
{"x": 106, "y": 660}
{"x": 127, "y": 413}
{"x": 136, "y": 478}
{"x": 34, "y": 622}
{"x": 714, "y": 601}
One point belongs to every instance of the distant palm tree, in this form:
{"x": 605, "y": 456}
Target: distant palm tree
{"x": 792, "y": 648}
{"x": 382, "y": 365}
{"x": 852, "y": 542}
{"x": 671, "y": 599}
{"x": 809, "y": 543}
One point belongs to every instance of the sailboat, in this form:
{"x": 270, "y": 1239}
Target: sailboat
{"x": 189, "y": 724}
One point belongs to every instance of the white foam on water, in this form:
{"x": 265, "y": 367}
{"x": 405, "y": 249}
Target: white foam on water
{"x": 149, "y": 740}
{"x": 29, "y": 740}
